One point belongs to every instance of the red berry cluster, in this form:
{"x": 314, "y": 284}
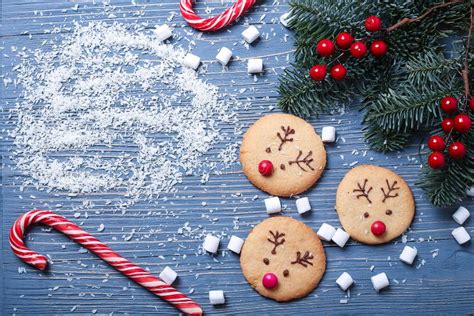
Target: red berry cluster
{"x": 345, "y": 42}
{"x": 461, "y": 124}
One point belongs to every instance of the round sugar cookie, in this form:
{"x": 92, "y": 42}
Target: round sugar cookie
{"x": 291, "y": 145}
{"x": 288, "y": 249}
{"x": 369, "y": 194}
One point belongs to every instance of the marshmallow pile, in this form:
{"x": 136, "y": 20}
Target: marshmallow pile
{"x": 379, "y": 281}
{"x": 250, "y": 35}
{"x": 329, "y": 233}
{"x": 273, "y": 205}
{"x": 211, "y": 244}
{"x": 460, "y": 234}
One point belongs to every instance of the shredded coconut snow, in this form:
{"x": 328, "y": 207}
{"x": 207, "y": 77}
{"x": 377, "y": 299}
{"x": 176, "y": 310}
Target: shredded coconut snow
{"x": 109, "y": 107}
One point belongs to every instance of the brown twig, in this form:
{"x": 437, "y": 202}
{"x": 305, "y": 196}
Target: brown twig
{"x": 465, "y": 71}
{"x": 404, "y": 21}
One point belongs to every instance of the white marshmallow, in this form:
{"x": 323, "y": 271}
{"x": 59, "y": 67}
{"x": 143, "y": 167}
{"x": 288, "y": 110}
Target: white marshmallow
{"x": 303, "y": 206}
{"x": 408, "y": 254}
{"x": 162, "y": 32}
{"x": 191, "y": 61}
{"x": 224, "y": 56}
{"x": 168, "y": 275}
{"x": 216, "y": 297}
{"x": 284, "y": 19}
{"x": 255, "y": 66}
{"x": 461, "y": 235}
{"x": 273, "y": 205}
{"x": 211, "y": 243}
{"x": 380, "y": 281}
{"x": 235, "y": 244}
{"x": 461, "y": 215}
{"x": 470, "y": 191}
{"x": 344, "y": 281}
{"x": 328, "y": 134}
{"x": 250, "y": 34}
{"x": 340, "y": 237}
{"x": 326, "y": 232}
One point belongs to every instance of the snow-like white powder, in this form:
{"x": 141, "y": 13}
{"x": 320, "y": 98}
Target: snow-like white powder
{"x": 109, "y": 107}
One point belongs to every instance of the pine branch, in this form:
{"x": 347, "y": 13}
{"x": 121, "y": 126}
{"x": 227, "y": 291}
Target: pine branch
{"x": 382, "y": 140}
{"x": 406, "y": 111}
{"x": 431, "y": 67}
{"x": 302, "y": 96}
{"x": 401, "y": 91}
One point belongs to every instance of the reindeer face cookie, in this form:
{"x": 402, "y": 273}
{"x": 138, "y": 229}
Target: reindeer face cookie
{"x": 374, "y": 204}
{"x": 282, "y": 155}
{"x": 283, "y": 258}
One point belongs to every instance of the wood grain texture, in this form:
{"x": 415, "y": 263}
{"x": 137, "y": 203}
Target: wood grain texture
{"x": 79, "y": 283}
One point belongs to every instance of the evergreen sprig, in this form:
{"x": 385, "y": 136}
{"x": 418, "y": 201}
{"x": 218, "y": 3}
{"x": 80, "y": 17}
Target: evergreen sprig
{"x": 400, "y": 92}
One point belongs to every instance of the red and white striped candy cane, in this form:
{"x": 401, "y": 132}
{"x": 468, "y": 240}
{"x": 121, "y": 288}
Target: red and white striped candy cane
{"x": 217, "y": 22}
{"x": 127, "y": 268}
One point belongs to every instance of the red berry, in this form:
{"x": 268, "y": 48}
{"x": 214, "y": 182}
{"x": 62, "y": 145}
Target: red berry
{"x": 318, "y": 72}
{"x": 338, "y": 72}
{"x": 377, "y": 228}
{"x": 471, "y": 104}
{"x": 436, "y": 160}
{"x": 449, "y": 104}
{"x": 325, "y": 47}
{"x": 447, "y": 125}
{"x": 344, "y": 40}
{"x": 378, "y": 48}
{"x": 358, "y": 49}
{"x": 269, "y": 280}
{"x": 265, "y": 167}
{"x": 373, "y": 23}
{"x": 457, "y": 150}
{"x": 462, "y": 123}
{"x": 436, "y": 143}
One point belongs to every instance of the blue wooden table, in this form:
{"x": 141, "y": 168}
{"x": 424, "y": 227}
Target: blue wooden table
{"x": 440, "y": 281}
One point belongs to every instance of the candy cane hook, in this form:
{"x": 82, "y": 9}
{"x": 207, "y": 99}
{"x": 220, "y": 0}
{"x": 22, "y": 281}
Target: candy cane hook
{"x": 217, "y": 22}
{"x": 127, "y": 268}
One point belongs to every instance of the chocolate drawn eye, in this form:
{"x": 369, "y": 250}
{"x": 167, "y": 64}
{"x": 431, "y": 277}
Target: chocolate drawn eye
{"x": 366, "y": 214}
{"x": 388, "y": 212}
{"x": 266, "y": 261}
{"x": 286, "y": 273}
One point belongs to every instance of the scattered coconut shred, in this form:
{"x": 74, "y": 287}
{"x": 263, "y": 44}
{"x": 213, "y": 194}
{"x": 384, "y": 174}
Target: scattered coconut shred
{"x": 110, "y": 107}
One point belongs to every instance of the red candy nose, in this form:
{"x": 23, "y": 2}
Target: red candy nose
{"x": 265, "y": 167}
{"x": 269, "y": 280}
{"x": 377, "y": 228}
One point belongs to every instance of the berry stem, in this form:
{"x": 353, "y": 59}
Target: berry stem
{"x": 337, "y": 58}
{"x": 404, "y": 21}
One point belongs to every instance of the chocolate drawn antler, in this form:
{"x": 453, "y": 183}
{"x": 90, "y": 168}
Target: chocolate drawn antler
{"x": 362, "y": 192}
{"x": 275, "y": 241}
{"x": 390, "y": 189}
{"x": 288, "y": 131}
{"x": 304, "y": 161}
{"x": 305, "y": 260}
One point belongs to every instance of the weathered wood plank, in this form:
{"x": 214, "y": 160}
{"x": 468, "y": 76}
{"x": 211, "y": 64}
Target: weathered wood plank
{"x": 79, "y": 282}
